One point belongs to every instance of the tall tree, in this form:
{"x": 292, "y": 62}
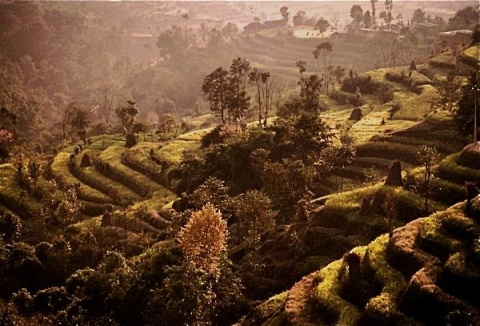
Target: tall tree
{"x": 215, "y": 86}
{"x": 389, "y": 16}
{"x": 324, "y": 51}
{"x": 374, "y": 13}
{"x": 127, "y": 115}
{"x": 261, "y": 81}
{"x": 418, "y": 16}
{"x": 367, "y": 19}
{"x": 356, "y": 12}
{"x": 310, "y": 92}
{"x": 238, "y": 98}
{"x": 464, "y": 113}
{"x": 80, "y": 122}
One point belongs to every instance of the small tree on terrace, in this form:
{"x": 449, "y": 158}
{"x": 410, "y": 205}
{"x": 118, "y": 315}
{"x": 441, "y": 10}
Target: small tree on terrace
{"x": 79, "y": 122}
{"x": 427, "y": 156}
{"x": 127, "y": 115}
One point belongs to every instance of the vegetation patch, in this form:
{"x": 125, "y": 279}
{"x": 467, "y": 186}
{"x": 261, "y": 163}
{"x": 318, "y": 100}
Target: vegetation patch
{"x": 60, "y": 168}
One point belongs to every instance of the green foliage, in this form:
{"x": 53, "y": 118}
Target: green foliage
{"x": 364, "y": 84}
{"x": 61, "y": 166}
{"x": 463, "y": 115}
{"x": 449, "y": 169}
{"x": 466, "y": 18}
{"x": 343, "y": 98}
{"x": 389, "y": 150}
{"x": 226, "y": 91}
{"x": 254, "y": 214}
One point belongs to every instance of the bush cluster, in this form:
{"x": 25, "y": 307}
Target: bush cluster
{"x": 450, "y": 170}
{"x": 388, "y": 150}
{"x": 365, "y": 84}
{"x": 343, "y": 98}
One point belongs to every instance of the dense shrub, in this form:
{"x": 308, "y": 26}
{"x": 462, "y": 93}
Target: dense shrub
{"x": 450, "y": 170}
{"x": 388, "y": 150}
{"x": 343, "y": 98}
{"x": 469, "y": 159}
{"x": 363, "y": 83}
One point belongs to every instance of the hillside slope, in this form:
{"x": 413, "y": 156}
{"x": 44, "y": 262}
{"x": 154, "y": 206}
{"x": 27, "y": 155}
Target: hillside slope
{"x": 426, "y": 273}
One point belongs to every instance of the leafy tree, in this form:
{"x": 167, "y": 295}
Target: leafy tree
{"x": 226, "y": 90}
{"x": 8, "y": 119}
{"x": 373, "y": 13}
{"x": 68, "y": 211}
{"x": 212, "y": 191}
{"x": 339, "y": 73}
{"x": 340, "y": 157}
{"x": 215, "y": 86}
{"x": 324, "y": 51}
{"x": 322, "y": 25}
{"x": 427, "y": 156}
{"x": 463, "y": 114}
{"x": 175, "y": 42}
{"x": 127, "y": 114}
{"x": 203, "y": 239}
{"x": 284, "y": 12}
{"x": 10, "y": 227}
{"x": 299, "y": 18}
{"x": 166, "y": 124}
{"x": 310, "y": 93}
{"x": 264, "y": 93}
{"x": 466, "y": 18}
{"x": 418, "y": 16}
{"x": 476, "y": 35}
{"x": 302, "y": 66}
{"x": 287, "y": 183}
{"x": 255, "y": 215}
{"x": 356, "y": 12}
{"x": 79, "y": 122}
{"x": 237, "y": 96}
{"x": 388, "y": 16}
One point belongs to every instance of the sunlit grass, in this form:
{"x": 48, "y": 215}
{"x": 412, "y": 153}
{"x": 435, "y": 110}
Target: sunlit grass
{"x": 327, "y": 295}
{"x": 415, "y": 107}
{"x": 12, "y": 196}
{"x": 130, "y": 178}
{"x": 63, "y": 175}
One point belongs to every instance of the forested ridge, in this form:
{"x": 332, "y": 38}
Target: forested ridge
{"x": 191, "y": 173}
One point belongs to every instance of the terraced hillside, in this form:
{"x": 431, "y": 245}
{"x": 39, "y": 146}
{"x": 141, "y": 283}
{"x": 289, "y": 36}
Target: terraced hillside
{"x": 105, "y": 175}
{"x": 278, "y": 52}
{"x": 425, "y": 274}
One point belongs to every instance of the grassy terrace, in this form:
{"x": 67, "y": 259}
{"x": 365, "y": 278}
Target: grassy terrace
{"x": 65, "y": 178}
{"x": 11, "y": 194}
{"x": 109, "y": 164}
{"x": 119, "y": 193}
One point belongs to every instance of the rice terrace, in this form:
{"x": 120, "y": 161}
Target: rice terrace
{"x": 239, "y": 163}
